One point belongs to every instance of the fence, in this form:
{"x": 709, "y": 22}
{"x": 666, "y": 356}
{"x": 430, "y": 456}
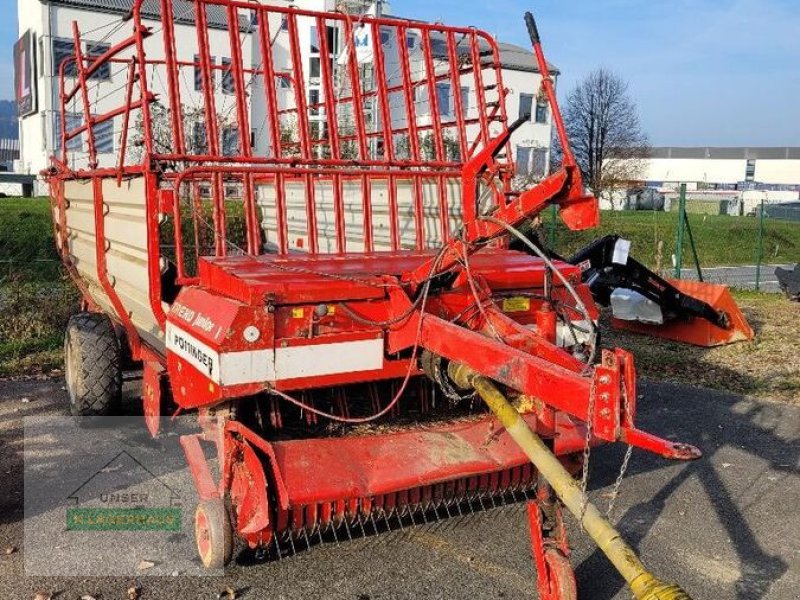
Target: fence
{"x": 697, "y": 239}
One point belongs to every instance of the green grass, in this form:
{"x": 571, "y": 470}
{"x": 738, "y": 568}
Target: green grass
{"x": 36, "y": 298}
{"x": 720, "y": 240}
{"x": 27, "y": 248}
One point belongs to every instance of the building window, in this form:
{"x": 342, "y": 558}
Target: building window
{"x": 541, "y": 111}
{"x": 750, "y": 173}
{"x": 314, "y": 40}
{"x": 438, "y": 48}
{"x": 284, "y": 23}
{"x": 314, "y": 68}
{"x": 539, "y": 162}
{"x": 62, "y": 50}
{"x": 198, "y": 73}
{"x": 199, "y": 139}
{"x": 284, "y": 82}
{"x": 104, "y": 137}
{"x": 464, "y": 100}
{"x": 525, "y": 106}
{"x": 228, "y": 86}
{"x": 313, "y": 98}
{"x": 411, "y": 41}
{"x": 95, "y": 49}
{"x": 333, "y": 40}
{"x": 523, "y": 160}
{"x": 443, "y": 97}
{"x": 74, "y": 121}
{"x": 230, "y": 141}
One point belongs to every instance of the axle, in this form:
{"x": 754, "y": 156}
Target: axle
{"x": 643, "y": 584}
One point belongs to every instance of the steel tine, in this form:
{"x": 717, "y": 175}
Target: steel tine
{"x": 277, "y": 545}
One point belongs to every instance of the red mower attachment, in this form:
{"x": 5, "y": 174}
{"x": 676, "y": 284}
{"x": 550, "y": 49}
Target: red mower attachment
{"x": 334, "y": 296}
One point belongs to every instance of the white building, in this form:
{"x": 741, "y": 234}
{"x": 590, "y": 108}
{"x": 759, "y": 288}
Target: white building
{"x": 711, "y": 168}
{"x": 45, "y": 28}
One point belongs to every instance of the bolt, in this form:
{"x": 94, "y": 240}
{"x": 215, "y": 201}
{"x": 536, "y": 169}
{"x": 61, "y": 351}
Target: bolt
{"x": 605, "y": 379}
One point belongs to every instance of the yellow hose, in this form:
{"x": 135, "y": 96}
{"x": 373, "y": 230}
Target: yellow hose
{"x": 644, "y": 585}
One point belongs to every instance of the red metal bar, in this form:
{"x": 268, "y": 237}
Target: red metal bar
{"x": 280, "y": 216}
{"x": 112, "y": 114}
{"x": 63, "y": 116}
{"x": 339, "y": 216}
{"x": 271, "y": 97}
{"x": 101, "y": 59}
{"x": 87, "y": 111}
{"x": 251, "y": 216}
{"x": 240, "y": 89}
{"x": 219, "y": 215}
{"x": 198, "y": 466}
{"x": 383, "y": 100}
{"x": 209, "y": 100}
{"x": 300, "y": 96}
{"x": 126, "y": 121}
{"x": 175, "y": 105}
{"x": 355, "y": 82}
{"x": 408, "y": 94}
{"x": 480, "y": 91}
{"x": 366, "y": 198}
{"x": 433, "y": 95}
{"x": 457, "y": 100}
{"x": 394, "y": 217}
{"x": 311, "y": 214}
{"x": 547, "y": 83}
{"x": 141, "y": 58}
{"x": 330, "y": 100}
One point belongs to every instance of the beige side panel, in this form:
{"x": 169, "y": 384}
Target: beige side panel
{"x": 353, "y": 199}
{"x": 125, "y": 248}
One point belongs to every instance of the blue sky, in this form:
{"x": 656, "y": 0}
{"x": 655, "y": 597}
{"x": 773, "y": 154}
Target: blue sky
{"x": 703, "y": 72}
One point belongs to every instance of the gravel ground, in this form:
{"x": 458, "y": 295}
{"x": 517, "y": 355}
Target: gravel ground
{"x": 725, "y": 526}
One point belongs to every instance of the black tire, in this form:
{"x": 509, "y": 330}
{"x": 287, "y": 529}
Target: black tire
{"x": 92, "y": 365}
{"x": 213, "y": 533}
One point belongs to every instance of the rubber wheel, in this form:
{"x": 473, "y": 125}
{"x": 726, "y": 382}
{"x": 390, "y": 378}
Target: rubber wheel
{"x": 213, "y": 534}
{"x": 561, "y": 576}
{"x": 93, "y": 365}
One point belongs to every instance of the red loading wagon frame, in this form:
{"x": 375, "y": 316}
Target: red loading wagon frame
{"x": 569, "y": 396}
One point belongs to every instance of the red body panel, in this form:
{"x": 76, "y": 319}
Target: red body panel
{"x": 369, "y": 465}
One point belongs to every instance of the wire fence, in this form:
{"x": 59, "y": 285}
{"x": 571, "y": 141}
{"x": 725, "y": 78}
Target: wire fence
{"x": 687, "y": 236}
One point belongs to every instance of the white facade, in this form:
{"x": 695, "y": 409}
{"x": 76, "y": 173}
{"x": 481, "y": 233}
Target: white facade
{"x": 724, "y": 166}
{"x": 51, "y": 22}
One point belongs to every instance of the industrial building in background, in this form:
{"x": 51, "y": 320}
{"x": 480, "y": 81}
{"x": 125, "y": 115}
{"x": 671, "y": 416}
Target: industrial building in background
{"x": 46, "y": 40}
{"x": 730, "y": 180}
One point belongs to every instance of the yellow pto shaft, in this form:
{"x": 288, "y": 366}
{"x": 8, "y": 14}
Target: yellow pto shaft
{"x": 645, "y": 585}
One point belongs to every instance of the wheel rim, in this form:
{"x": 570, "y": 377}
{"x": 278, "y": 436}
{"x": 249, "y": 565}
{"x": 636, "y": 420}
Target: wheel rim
{"x": 561, "y": 576}
{"x": 202, "y": 534}
{"x": 70, "y": 366}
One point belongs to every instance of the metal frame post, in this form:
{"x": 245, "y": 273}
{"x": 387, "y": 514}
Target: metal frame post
{"x": 681, "y": 228}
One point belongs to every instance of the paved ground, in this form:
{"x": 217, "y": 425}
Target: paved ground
{"x": 724, "y": 526}
{"x": 742, "y": 277}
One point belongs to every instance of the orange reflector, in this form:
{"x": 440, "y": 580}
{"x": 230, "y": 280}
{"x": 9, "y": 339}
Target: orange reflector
{"x": 698, "y": 331}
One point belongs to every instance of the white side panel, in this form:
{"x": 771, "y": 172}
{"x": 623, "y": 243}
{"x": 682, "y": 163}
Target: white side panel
{"x": 126, "y": 247}
{"x": 353, "y": 200}
{"x": 328, "y": 359}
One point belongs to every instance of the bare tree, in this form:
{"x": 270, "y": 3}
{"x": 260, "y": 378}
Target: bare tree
{"x": 605, "y": 133}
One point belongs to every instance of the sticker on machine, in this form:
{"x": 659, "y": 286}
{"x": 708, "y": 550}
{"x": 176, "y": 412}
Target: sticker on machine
{"x": 193, "y": 351}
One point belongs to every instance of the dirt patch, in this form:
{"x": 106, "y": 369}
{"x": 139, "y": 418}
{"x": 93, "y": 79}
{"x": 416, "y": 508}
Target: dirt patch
{"x": 768, "y": 367}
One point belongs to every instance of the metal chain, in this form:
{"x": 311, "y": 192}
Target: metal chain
{"x": 587, "y": 450}
{"x": 625, "y": 461}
